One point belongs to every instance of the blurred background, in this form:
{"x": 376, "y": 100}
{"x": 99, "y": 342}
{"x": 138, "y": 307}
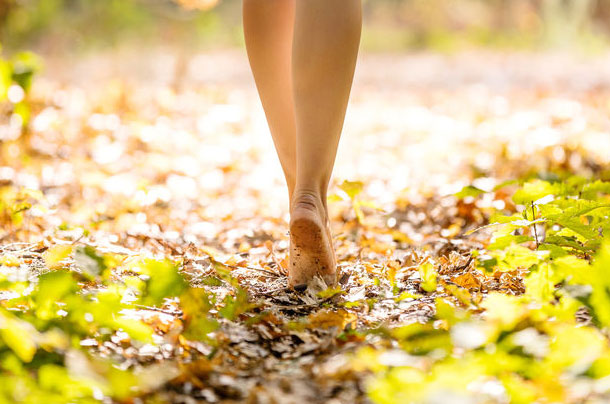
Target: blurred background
{"x": 139, "y": 94}
{"x": 134, "y": 126}
{"x": 51, "y": 26}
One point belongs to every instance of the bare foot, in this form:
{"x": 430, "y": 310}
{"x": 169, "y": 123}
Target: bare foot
{"x": 311, "y": 249}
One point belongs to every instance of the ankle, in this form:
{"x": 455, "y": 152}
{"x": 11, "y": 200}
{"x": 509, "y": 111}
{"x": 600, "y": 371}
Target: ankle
{"x": 306, "y": 199}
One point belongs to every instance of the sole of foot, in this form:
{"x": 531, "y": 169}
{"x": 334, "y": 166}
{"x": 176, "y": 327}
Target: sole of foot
{"x": 311, "y": 250}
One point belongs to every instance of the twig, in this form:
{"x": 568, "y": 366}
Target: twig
{"x": 464, "y": 266}
{"x": 151, "y": 308}
{"x": 535, "y": 231}
{"x": 79, "y": 238}
{"x": 28, "y": 247}
{"x": 275, "y": 275}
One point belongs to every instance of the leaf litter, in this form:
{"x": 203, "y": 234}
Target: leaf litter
{"x": 136, "y": 182}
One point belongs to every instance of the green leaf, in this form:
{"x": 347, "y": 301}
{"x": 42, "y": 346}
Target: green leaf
{"x": 199, "y": 329}
{"x": 122, "y": 383}
{"x": 540, "y": 284}
{"x": 54, "y": 256}
{"x": 516, "y": 256}
{"x": 593, "y": 189}
{"x": 560, "y": 239}
{"x": 574, "y": 224}
{"x": 422, "y": 338}
{"x": 196, "y": 303}
{"x": 407, "y": 295}
{"x": 135, "y": 328}
{"x": 574, "y": 270}
{"x": 505, "y": 184}
{"x": 398, "y": 385}
{"x": 508, "y": 240}
{"x": 234, "y": 306}
{"x": 352, "y": 188}
{"x": 554, "y": 250}
{"x": 52, "y": 288}
{"x": 224, "y": 273}
{"x": 449, "y": 313}
{"x": 487, "y": 263}
{"x": 56, "y": 379}
{"x": 18, "y": 335}
{"x": 519, "y": 390}
{"x": 165, "y": 281}
{"x": 89, "y": 261}
{"x": 330, "y": 292}
{"x": 211, "y": 281}
{"x": 503, "y": 309}
{"x": 600, "y": 298}
{"x": 5, "y": 79}
{"x": 514, "y": 221}
{"x": 467, "y": 191}
{"x": 22, "y": 109}
{"x": 595, "y": 276}
{"x": 533, "y": 191}
{"x": 579, "y": 207}
{"x": 576, "y": 347}
{"x": 428, "y": 277}
{"x": 25, "y": 65}
{"x": 499, "y": 218}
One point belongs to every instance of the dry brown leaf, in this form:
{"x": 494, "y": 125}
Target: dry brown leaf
{"x": 327, "y": 318}
{"x": 468, "y": 281}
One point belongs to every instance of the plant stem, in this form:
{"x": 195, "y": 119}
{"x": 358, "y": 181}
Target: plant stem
{"x": 535, "y": 231}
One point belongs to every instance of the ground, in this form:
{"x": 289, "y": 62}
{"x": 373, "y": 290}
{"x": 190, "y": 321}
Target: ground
{"x": 146, "y": 154}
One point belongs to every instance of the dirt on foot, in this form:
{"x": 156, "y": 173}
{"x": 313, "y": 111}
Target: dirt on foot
{"x": 311, "y": 249}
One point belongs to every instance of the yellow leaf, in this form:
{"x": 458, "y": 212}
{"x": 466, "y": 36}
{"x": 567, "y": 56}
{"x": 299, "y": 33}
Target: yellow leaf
{"x": 10, "y": 260}
{"x": 463, "y": 295}
{"x": 55, "y": 255}
{"x": 428, "y": 277}
{"x": 539, "y": 285}
{"x": 575, "y": 347}
{"x": 18, "y": 335}
{"x": 393, "y": 267}
{"x": 503, "y": 309}
{"x": 328, "y": 318}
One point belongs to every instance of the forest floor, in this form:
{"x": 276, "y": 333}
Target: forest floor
{"x": 145, "y": 156}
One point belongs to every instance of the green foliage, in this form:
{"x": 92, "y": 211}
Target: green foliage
{"x": 351, "y": 191}
{"x": 531, "y": 344}
{"x": 467, "y": 191}
{"x": 163, "y": 280}
{"x": 18, "y": 336}
{"x": 570, "y": 217}
{"x": 24, "y": 65}
{"x": 593, "y": 279}
{"x": 16, "y": 75}
{"x": 79, "y": 296}
{"x": 196, "y": 303}
{"x": 41, "y": 326}
{"x": 233, "y": 306}
{"x": 81, "y": 24}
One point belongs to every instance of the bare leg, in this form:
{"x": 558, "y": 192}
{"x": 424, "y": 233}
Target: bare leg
{"x": 304, "y": 80}
{"x": 325, "y": 48}
{"x": 268, "y": 30}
